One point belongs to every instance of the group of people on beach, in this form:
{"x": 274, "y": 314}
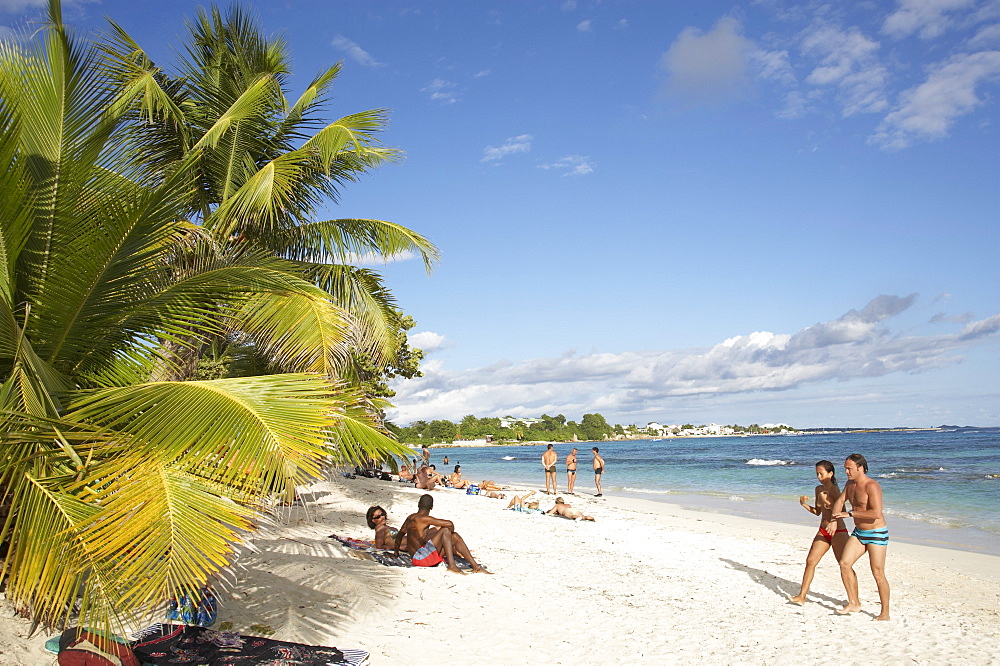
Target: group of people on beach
{"x": 871, "y": 534}
{"x": 550, "y": 460}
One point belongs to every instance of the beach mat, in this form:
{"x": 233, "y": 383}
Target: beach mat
{"x": 366, "y": 550}
{"x": 169, "y": 644}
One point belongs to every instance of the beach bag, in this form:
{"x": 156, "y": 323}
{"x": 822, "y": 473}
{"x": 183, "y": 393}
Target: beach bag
{"x": 82, "y": 647}
{"x": 472, "y": 490}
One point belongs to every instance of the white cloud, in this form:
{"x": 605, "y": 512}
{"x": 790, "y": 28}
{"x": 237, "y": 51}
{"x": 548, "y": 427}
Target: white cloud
{"x": 355, "y": 52}
{"x": 573, "y": 165}
{"x": 858, "y": 344}
{"x": 928, "y": 18}
{"x": 569, "y": 5}
{"x": 988, "y": 36}
{"x": 622, "y": 24}
{"x": 849, "y": 61}
{"x": 584, "y": 26}
{"x": 707, "y": 68}
{"x": 17, "y": 6}
{"x": 441, "y": 91}
{"x": 512, "y": 146}
{"x": 372, "y": 259}
{"x": 481, "y": 73}
{"x": 428, "y": 341}
{"x": 928, "y": 111}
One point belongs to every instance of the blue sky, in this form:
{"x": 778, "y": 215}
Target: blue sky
{"x": 683, "y": 212}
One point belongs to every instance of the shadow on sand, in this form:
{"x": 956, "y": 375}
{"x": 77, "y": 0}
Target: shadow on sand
{"x": 782, "y": 586}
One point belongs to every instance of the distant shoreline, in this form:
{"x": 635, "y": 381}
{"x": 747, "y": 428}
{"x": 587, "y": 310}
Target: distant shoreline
{"x": 473, "y": 443}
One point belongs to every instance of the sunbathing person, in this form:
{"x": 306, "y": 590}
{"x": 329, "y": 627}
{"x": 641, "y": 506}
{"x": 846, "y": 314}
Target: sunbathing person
{"x": 522, "y": 504}
{"x": 456, "y": 480}
{"x": 566, "y": 511}
{"x": 385, "y": 535}
{"x": 427, "y": 478}
{"x": 489, "y": 485}
{"x": 427, "y": 537}
{"x": 405, "y": 474}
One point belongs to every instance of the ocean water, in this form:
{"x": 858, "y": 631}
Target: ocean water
{"x": 937, "y": 485}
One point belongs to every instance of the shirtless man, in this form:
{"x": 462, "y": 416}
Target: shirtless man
{"x": 427, "y": 537}
{"x": 571, "y": 471}
{"x": 549, "y": 459}
{"x": 566, "y": 511}
{"x": 598, "y": 470}
{"x": 426, "y": 478}
{"x": 870, "y": 533}
{"x": 405, "y": 474}
{"x": 425, "y": 453}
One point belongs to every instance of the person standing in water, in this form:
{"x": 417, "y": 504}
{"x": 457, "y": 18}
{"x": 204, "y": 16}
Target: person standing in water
{"x": 832, "y": 531}
{"x": 870, "y": 534}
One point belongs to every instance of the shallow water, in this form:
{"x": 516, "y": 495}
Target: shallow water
{"x": 937, "y": 485}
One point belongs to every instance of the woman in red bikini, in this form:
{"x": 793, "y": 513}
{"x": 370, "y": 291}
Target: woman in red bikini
{"x": 832, "y": 531}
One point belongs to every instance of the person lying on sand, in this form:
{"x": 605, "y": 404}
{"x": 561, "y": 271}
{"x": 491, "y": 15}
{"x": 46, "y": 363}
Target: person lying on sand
{"x": 405, "y": 474}
{"x": 521, "y": 503}
{"x": 566, "y": 511}
{"x": 489, "y": 485}
{"x": 427, "y": 537}
{"x": 385, "y": 535}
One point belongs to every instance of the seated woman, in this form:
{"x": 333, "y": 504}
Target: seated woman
{"x": 385, "y": 536}
{"x": 456, "y": 480}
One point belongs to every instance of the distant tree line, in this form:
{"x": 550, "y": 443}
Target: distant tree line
{"x": 592, "y": 427}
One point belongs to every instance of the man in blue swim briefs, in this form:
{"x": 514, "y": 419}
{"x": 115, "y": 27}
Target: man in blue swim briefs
{"x": 427, "y": 537}
{"x": 870, "y": 533}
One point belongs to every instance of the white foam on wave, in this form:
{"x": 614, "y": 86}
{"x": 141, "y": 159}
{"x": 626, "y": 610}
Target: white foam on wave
{"x": 759, "y": 461}
{"x": 647, "y": 491}
{"x": 736, "y": 498}
{"x": 508, "y": 458}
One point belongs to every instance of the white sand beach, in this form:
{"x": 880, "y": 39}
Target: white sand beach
{"x": 647, "y": 583}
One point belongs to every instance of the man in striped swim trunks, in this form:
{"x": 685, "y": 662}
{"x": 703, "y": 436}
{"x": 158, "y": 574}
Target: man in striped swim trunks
{"x": 870, "y": 533}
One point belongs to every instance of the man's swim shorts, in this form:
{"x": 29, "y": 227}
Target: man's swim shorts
{"x": 427, "y": 556}
{"x": 876, "y": 537}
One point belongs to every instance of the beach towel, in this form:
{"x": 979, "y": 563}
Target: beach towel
{"x": 169, "y": 644}
{"x": 365, "y": 550}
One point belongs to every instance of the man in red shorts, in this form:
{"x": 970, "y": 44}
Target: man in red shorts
{"x": 427, "y": 537}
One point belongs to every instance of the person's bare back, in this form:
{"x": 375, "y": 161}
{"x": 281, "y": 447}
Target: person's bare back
{"x": 428, "y": 537}
{"x": 566, "y": 511}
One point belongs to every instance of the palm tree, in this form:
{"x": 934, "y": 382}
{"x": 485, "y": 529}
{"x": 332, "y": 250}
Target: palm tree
{"x": 118, "y": 491}
{"x": 260, "y": 176}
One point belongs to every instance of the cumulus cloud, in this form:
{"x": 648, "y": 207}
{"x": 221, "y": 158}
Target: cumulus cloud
{"x": 857, "y": 344}
{"x": 849, "y": 61}
{"x": 927, "y": 18}
{"x": 355, "y": 52}
{"x": 428, "y": 341}
{"x": 707, "y": 67}
{"x": 928, "y": 111}
{"x": 441, "y": 91}
{"x": 512, "y": 146}
{"x": 571, "y": 165}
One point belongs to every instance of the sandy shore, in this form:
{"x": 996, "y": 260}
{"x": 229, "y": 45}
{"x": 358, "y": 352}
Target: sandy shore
{"x": 647, "y": 583}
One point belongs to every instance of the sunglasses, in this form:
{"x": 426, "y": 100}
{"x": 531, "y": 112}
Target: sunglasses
{"x": 376, "y": 516}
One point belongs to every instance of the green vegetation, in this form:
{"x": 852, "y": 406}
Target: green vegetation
{"x": 159, "y": 227}
{"x": 543, "y": 429}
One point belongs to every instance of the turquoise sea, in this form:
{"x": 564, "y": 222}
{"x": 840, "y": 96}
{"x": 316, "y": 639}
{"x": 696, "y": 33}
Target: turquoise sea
{"x": 937, "y": 485}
